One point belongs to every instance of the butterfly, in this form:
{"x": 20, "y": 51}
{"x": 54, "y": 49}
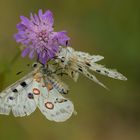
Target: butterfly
{"x": 76, "y": 62}
{"x": 40, "y": 88}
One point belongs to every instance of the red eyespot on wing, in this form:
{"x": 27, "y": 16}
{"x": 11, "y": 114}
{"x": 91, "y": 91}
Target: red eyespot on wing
{"x": 49, "y": 105}
{"x": 36, "y": 91}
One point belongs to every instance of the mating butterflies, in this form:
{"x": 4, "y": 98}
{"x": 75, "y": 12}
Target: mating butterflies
{"x": 38, "y": 89}
{"x": 42, "y": 87}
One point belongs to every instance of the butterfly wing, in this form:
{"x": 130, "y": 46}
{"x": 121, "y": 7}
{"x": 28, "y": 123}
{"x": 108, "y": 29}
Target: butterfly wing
{"x": 76, "y": 62}
{"x": 19, "y": 98}
{"x": 100, "y": 69}
{"x": 5, "y": 103}
{"x": 82, "y": 70}
{"x": 54, "y": 106}
{"x": 87, "y": 57}
{"x": 26, "y": 101}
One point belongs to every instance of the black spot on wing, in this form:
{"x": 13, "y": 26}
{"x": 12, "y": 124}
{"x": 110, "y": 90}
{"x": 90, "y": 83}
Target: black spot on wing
{"x": 98, "y": 71}
{"x": 80, "y": 69}
{"x": 23, "y": 84}
{"x": 88, "y": 64}
{"x": 106, "y": 72}
{"x": 60, "y": 100}
{"x": 30, "y": 96}
{"x": 11, "y": 98}
{"x": 15, "y": 90}
{"x": 72, "y": 73}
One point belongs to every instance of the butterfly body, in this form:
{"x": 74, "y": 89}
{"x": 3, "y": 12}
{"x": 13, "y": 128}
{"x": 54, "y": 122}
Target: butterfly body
{"x": 59, "y": 85}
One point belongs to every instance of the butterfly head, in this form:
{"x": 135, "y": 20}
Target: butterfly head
{"x": 35, "y": 65}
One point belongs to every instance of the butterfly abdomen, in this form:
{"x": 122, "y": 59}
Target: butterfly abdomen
{"x": 61, "y": 87}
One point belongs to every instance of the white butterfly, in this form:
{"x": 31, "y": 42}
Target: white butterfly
{"x": 38, "y": 89}
{"x": 74, "y": 62}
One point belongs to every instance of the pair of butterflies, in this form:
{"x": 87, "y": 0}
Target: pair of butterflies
{"x": 42, "y": 87}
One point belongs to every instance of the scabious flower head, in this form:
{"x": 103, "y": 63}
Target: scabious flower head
{"x": 38, "y": 35}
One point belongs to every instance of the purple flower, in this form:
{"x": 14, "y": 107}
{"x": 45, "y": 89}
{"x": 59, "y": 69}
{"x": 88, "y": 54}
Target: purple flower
{"x": 37, "y": 34}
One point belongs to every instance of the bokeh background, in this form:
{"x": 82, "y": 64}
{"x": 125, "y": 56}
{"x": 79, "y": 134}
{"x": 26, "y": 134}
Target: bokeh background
{"x": 110, "y": 28}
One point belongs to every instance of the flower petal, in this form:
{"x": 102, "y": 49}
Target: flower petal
{"x": 36, "y": 19}
{"x": 25, "y": 21}
{"x": 43, "y": 59}
{"x": 62, "y": 38}
{"x": 25, "y": 52}
{"x": 17, "y": 37}
{"x": 31, "y": 54}
{"x": 40, "y": 14}
{"x": 48, "y": 18}
{"x": 20, "y": 27}
{"x": 32, "y": 17}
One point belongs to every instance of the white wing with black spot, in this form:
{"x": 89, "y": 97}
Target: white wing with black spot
{"x": 106, "y": 72}
{"x": 81, "y": 69}
{"x": 87, "y": 57}
{"x": 19, "y": 98}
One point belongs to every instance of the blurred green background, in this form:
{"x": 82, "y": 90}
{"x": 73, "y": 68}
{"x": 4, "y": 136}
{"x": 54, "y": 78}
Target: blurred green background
{"x": 107, "y": 27}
